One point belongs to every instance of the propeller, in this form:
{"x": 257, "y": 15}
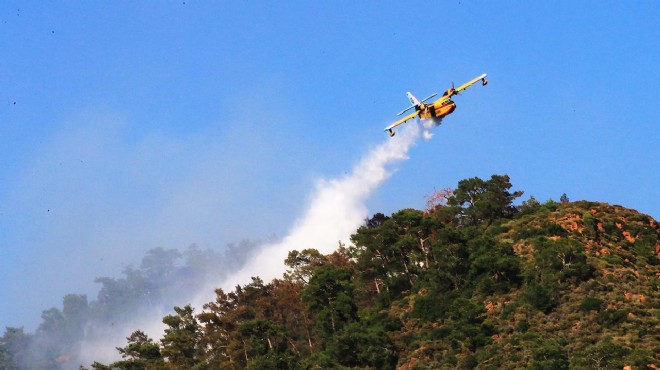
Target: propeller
{"x": 405, "y": 110}
{"x": 453, "y": 90}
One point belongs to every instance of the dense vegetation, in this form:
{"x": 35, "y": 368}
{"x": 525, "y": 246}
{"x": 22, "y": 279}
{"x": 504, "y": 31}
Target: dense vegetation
{"x": 472, "y": 282}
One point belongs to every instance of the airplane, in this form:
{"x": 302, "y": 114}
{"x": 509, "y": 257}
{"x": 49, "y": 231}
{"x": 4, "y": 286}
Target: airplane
{"x": 436, "y": 110}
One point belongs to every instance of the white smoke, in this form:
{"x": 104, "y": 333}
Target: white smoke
{"x": 336, "y": 210}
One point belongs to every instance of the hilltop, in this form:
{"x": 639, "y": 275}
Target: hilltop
{"x": 471, "y": 282}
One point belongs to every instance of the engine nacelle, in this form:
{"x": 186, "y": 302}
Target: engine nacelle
{"x": 484, "y": 82}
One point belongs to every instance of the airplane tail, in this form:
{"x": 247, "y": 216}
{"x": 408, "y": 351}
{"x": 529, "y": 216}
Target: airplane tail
{"x": 413, "y": 99}
{"x": 416, "y": 103}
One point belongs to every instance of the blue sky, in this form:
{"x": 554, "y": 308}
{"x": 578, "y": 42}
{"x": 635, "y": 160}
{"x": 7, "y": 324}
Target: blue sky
{"x": 130, "y": 125}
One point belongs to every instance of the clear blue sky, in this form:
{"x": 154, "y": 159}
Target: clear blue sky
{"x": 129, "y": 125}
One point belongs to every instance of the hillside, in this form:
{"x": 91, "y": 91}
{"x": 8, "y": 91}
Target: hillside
{"x": 598, "y": 265}
{"x": 472, "y": 282}
{"x": 587, "y": 295}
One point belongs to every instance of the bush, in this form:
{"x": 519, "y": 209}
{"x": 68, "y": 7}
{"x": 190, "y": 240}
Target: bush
{"x": 538, "y": 296}
{"x": 523, "y": 326}
{"x": 609, "y": 318}
{"x": 549, "y": 354}
{"x": 602, "y": 355}
{"x": 550, "y": 205}
{"x": 591, "y": 304}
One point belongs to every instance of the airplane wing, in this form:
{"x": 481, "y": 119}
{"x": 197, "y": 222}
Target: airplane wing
{"x": 471, "y": 82}
{"x": 402, "y": 120}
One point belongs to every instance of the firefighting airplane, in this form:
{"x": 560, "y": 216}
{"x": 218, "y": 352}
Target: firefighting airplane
{"x": 436, "y": 110}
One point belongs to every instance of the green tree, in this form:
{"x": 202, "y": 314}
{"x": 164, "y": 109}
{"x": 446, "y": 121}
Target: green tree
{"x": 141, "y": 353}
{"x": 219, "y": 322}
{"x": 47, "y": 345}
{"x": 14, "y": 346}
{"x": 265, "y": 345}
{"x": 75, "y": 312}
{"x": 530, "y": 206}
{"x": 591, "y": 304}
{"x": 302, "y": 264}
{"x": 117, "y": 297}
{"x": 604, "y": 354}
{"x": 549, "y": 354}
{"x": 257, "y": 325}
{"x": 181, "y": 340}
{"x": 141, "y": 347}
{"x": 558, "y": 261}
{"x": 466, "y": 324}
{"x": 363, "y": 346}
{"x": 330, "y": 296}
{"x": 160, "y": 263}
{"x": 539, "y": 296}
{"x": 494, "y": 266}
{"x": 372, "y": 250}
{"x": 482, "y": 202}
{"x": 393, "y": 252}
{"x": 451, "y": 260}
{"x": 6, "y": 362}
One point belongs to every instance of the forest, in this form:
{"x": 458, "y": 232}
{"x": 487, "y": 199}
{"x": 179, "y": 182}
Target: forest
{"x": 476, "y": 280}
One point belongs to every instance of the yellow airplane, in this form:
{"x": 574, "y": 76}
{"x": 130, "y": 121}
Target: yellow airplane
{"x": 436, "y": 110}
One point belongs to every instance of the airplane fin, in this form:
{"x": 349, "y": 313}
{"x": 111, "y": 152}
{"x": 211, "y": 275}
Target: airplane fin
{"x": 415, "y": 102}
{"x": 413, "y": 99}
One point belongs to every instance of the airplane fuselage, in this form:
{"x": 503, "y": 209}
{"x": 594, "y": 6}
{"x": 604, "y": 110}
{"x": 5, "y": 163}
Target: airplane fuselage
{"x": 437, "y": 110}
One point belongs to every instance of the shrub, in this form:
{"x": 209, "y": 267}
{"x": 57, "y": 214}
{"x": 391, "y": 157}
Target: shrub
{"x": 609, "y": 318}
{"x": 591, "y": 304}
{"x": 538, "y": 296}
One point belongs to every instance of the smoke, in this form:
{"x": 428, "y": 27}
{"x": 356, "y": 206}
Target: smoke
{"x": 102, "y": 340}
{"x": 336, "y": 209}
